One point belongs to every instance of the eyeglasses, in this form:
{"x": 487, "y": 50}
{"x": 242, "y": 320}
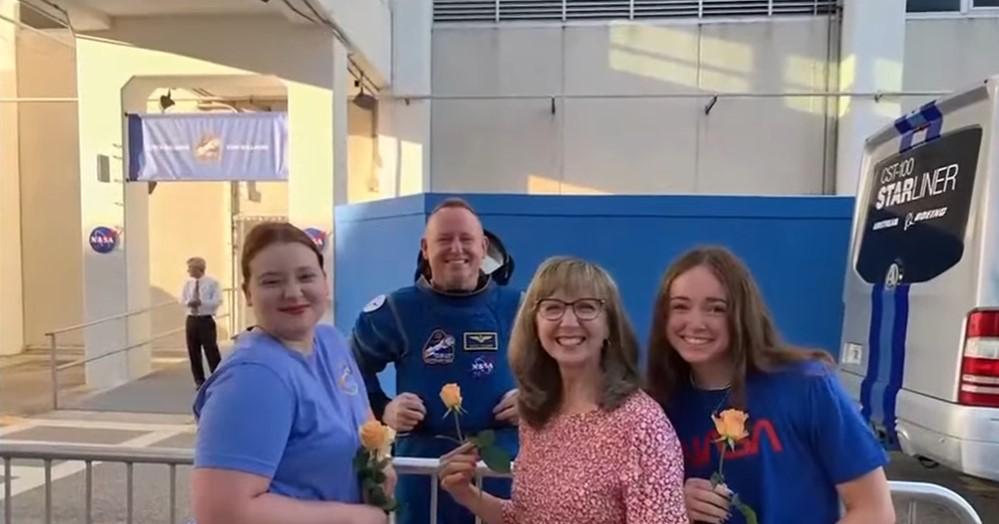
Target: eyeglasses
{"x": 584, "y": 308}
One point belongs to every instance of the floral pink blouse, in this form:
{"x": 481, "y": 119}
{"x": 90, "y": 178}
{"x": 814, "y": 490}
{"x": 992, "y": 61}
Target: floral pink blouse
{"x": 619, "y": 467}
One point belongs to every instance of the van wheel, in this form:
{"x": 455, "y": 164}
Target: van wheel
{"x": 927, "y": 463}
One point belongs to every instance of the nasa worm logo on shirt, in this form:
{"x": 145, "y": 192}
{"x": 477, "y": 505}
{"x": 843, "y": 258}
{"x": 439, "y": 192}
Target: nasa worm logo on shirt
{"x": 482, "y": 367}
{"x": 439, "y": 348}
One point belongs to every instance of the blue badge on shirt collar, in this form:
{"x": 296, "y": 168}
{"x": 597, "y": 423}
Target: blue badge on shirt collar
{"x": 482, "y": 367}
{"x": 346, "y": 381}
{"x": 439, "y": 348}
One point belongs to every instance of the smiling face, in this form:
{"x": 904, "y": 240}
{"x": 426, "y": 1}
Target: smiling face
{"x": 698, "y": 326}
{"x": 454, "y": 246}
{"x": 572, "y": 329}
{"x": 288, "y": 290}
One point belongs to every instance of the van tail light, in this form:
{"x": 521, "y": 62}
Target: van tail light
{"x": 979, "y": 385}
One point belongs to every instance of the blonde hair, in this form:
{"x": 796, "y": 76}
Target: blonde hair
{"x": 755, "y": 344}
{"x": 537, "y": 373}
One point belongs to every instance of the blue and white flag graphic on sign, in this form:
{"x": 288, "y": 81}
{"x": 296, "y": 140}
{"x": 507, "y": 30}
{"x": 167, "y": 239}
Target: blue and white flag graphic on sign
{"x": 208, "y": 146}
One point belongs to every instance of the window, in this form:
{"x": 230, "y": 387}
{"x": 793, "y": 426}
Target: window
{"x": 918, "y": 207}
{"x": 932, "y": 6}
{"x": 948, "y": 6}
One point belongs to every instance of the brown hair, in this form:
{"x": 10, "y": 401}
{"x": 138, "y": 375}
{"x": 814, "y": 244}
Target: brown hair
{"x": 755, "y": 344}
{"x": 538, "y": 378}
{"x": 268, "y": 233}
{"x": 453, "y": 203}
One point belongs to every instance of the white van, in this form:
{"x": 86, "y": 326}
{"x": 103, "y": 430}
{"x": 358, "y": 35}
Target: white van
{"x": 921, "y": 322}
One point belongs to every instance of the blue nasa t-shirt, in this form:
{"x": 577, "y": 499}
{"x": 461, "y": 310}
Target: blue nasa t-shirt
{"x": 805, "y": 437}
{"x": 281, "y": 414}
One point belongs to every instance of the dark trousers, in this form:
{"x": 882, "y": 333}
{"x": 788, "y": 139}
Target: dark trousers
{"x": 201, "y": 334}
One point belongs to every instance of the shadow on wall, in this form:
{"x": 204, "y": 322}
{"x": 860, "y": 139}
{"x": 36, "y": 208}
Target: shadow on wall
{"x": 629, "y": 124}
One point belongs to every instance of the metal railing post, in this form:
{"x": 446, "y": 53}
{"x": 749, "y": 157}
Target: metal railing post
{"x": 48, "y": 491}
{"x": 89, "y": 492}
{"x": 54, "y": 371}
{"x": 8, "y": 502}
{"x": 433, "y": 499}
{"x": 129, "y": 503}
{"x": 173, "y": 493}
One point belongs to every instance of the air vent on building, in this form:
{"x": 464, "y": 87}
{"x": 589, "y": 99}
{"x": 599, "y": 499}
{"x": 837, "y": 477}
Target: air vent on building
{"x": 571, "y": 10}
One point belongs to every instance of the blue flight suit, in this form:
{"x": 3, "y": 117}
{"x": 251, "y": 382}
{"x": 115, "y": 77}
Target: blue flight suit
{"x": 435, "y": 338}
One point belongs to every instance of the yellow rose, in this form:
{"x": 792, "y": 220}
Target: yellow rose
{"x": 377, "y": 437}
{"x": 731, "y": 425}
{"x": 451, "y": 396}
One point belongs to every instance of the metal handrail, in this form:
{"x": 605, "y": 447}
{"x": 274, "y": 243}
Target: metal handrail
{"x": 136, "y": 345}
{"x": 936, "y": 494}
{"x": 54, "y": 369}
{"x": 174, "y": 457}
{"x": 119, "y": 316}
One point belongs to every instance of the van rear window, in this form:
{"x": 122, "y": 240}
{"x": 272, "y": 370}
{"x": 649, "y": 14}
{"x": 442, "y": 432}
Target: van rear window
{"x": 917, "y": 209}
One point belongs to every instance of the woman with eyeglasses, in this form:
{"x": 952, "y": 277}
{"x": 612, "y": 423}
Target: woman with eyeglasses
{"x": 594, "y": 448}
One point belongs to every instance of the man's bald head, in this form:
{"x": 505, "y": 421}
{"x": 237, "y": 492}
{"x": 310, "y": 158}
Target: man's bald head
{"x": 454, "y": 245}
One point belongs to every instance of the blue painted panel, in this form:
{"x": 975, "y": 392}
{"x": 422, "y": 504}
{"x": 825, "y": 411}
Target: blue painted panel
{"x": 795, "y": 246}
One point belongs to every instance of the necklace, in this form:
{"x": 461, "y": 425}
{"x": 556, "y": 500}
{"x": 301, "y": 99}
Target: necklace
{"x": 694, "y": 384}
{"x": 727, "y": 388}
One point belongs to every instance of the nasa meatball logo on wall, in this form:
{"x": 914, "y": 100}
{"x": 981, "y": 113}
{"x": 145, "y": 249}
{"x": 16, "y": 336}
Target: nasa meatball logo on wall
{"x": 103, "y": 239}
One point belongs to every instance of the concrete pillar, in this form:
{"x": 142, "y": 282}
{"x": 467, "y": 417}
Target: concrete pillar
{"x": 115, "y": 282}
{"x": 403, "y": 150}
{"x": 872, "y": 53}
{"x": 317, "y": 143}
{"x": 11, "y": 286}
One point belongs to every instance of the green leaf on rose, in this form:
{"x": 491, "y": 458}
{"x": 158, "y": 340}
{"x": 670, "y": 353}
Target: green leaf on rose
{"x": 496, "y": 458}
{"x": 484, "y": 439}
{"x": 360, "y": 460}
{"x": 378, "y": 498}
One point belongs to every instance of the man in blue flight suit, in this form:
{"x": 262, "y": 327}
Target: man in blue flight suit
{"x": 452, "y": 326}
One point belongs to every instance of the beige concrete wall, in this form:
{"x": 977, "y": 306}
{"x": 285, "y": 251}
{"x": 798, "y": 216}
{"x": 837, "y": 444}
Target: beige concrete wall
{"x": 50, "y": 188}
{"x": 948, "y": 54}
{"x": 186, "y": 219}
{"x": 624, "y": 130}
{"x": 11, "y": 312}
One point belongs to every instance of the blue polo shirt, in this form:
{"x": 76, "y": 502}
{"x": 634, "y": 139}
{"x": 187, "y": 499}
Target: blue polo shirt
{"x": 284, "y": 415}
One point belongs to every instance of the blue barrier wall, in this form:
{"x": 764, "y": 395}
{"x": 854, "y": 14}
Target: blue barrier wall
{"x": 795, "y": 246}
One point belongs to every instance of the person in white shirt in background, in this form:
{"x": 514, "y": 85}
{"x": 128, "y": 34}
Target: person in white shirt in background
{"x": 202, "y": 296}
